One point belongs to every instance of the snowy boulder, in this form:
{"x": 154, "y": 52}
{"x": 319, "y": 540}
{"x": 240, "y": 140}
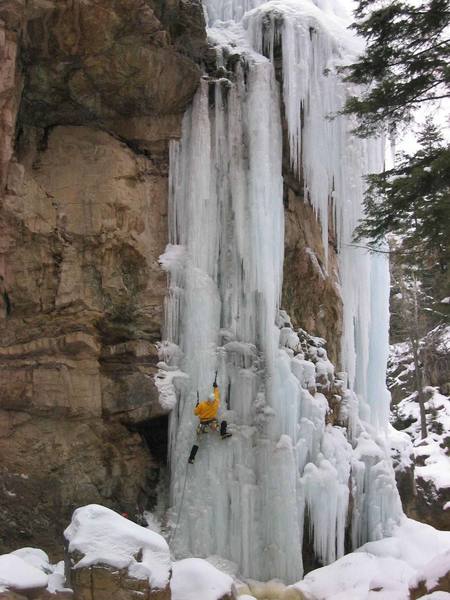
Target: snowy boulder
{"x": 197, "y": 579}
{"x": 434, "y": 577}
{"x": 26, "y": 574}
{"x": 19, "y": 576}
{"x": 115, "y": 557}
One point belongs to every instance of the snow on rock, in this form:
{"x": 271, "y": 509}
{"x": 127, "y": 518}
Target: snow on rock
{"x": 57, "y": 579}
{"x": 393, "y": 565}
{"x": 17, "y": 574}
{"x": 34, "y": 557}
{"x": 435, "y": 569}
{"x": 166, "y": 382}
{"x": 412, "y": 542}
{"x": 354, "y": 576}
{"x": 436, "y": 461}
{"x": 106, "y": 538}
{"x": 197, "y": 579}
{"x": 430, "y": 455}
{"x": 432, "y": 461}
{"x": 402, "y": 450}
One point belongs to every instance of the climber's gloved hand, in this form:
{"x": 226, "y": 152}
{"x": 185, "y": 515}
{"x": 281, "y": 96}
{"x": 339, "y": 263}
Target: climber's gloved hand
{"x": 215, "y": 384}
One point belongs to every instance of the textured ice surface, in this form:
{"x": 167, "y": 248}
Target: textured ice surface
{"x": 246, "y": 498}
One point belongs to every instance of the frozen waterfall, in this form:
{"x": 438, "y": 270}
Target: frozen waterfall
{"x": 287, "y": 477}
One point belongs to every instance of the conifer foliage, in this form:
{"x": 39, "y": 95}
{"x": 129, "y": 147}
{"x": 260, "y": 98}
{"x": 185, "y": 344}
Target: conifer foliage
{"x": 413, "y": 200}
{"x": 406, "y": 64}
{"x": 406, "y": 61}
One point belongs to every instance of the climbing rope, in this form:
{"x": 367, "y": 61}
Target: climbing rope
{"x": 174, "y": 531}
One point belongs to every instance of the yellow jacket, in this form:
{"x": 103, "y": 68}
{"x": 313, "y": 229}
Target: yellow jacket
{"x": 206, "y": 411}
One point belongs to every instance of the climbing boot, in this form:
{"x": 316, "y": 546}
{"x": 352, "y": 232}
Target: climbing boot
{"x": 223, "y": 430}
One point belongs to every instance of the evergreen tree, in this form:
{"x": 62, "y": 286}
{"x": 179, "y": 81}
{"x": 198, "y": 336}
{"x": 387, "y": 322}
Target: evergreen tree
{"x": 413, "y": 200}
{"x": 406, "y": 64}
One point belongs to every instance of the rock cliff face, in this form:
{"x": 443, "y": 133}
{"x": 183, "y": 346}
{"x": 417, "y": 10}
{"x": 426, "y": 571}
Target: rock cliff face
{"x": 310, "y": 289}
{"x": 91, "y": 92}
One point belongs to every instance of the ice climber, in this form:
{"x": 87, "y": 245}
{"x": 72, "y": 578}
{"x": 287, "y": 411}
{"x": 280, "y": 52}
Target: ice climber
{"x": 207, "y": 411}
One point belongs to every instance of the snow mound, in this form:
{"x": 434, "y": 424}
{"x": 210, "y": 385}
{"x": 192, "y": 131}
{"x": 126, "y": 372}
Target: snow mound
{"x": 104, "y": 537}
{"x": 436, "y": 568}
{"x": 35, "y": 557}
{"x": 38, "y": 559}
{"x": 197, "y": 579}
{"x": 17, "y": 574}
{"x": 416, "y": 552}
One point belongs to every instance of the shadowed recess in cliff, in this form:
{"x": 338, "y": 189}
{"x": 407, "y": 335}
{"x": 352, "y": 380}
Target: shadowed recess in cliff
{"x": 154, "y": 433}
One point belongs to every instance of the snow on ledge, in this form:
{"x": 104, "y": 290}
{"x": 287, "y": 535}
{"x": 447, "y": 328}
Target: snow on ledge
{"x": 106, "y": 538}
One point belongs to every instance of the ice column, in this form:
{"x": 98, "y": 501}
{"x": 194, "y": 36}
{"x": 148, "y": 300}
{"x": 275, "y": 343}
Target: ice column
{"x": 332, "y": 164}
{"x": 245, "y": 498}
{"x": 240, "y": 497}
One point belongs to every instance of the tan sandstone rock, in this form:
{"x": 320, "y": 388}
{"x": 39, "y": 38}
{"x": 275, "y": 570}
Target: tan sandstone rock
{"x": 78, "y": 72}
{"x": 83, "y": 209}
{"x": 310, "y": 288}
{"x": 104, "y": 583}
{"x": 10, "y": 89}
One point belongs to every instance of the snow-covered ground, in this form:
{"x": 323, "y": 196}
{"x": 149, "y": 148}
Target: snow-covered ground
{"x": 384, "y": 570}
{"x": 431, "y": 455}
{"x": 103, "y": 537}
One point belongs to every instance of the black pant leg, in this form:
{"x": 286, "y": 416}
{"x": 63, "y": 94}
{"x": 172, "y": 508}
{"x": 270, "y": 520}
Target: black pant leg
{"x": 193, "y": 453}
